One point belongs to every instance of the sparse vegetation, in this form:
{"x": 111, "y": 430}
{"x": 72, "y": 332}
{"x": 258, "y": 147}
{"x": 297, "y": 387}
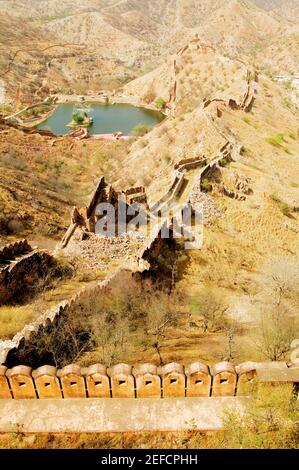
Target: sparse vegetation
{"x": 275, "y": 332}
{"x": 292, "y": 135}
{"x": 160, "y": 103}
{"x": 235, "y": 298}
{"x": 206, "y": 185}
{"x": 140, "y": 130}
{"x": 246, "y": 120}
{"x": 223, "y": 162}
{"x": 285, "y": 208}
{"x": 110, "y": 329}
{"x": 210, "y": 309}
{"x": 276, "y": 140}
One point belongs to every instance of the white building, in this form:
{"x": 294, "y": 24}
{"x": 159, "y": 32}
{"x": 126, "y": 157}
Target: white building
{"x": 282, "y": 78}
{"x": 293, "y": 80}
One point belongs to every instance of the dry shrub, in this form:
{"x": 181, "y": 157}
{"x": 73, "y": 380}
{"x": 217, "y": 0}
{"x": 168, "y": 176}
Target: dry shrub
{"x": 275, "y": 331}
{"x": 209, "y": 307}
{"x": 107, "y": 326}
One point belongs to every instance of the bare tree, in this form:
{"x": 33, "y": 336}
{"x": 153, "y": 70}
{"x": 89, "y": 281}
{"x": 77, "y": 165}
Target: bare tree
{"x": 275, "y": 331}
{"x": 161, "y": 315}
{"x": 231, "y": 331}
{"x": 284, "y": 278}
{"x": 211, "y": 309}
{"x": 110, "y": 339}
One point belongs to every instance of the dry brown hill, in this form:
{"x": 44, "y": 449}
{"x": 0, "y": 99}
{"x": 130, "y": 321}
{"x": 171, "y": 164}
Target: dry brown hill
{"x": 48, "y": 9}
{"x": 92, "y": 30}
{"x": 287, "y": 8}
{"x": 44, "y": 59}
{"x": 260, "y": 37}
{"x": 251, "y": 200}
{"x": 124, "y": 39}
{"x": 253, "y": 228}
{"x": 23, "y": 54}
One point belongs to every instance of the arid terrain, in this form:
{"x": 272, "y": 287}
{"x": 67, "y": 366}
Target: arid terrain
{"x": 105, "y": 44}
{"x": 211, "y": 67}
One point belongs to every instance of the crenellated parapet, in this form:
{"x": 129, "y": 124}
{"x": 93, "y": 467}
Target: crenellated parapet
{"x": 13, "y": 250}
{"x": 172, "y": 380}
{"x": 20, "y": 268}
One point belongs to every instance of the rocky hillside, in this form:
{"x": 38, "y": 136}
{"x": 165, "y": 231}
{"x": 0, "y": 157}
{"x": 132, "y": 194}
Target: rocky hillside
{"x": 98, "y": 40}
{"x": 212, "y": 68}
{"x": 287, "y": 8}
{"x": 251, "y": 203}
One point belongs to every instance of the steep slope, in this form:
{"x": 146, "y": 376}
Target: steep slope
{"x": 41, "y": 178}
{"x": 92, "y": 30}
{"x": 48, "y": 62}
{"x": 286, "y": 8}
{"x": 124, "y": 39}
{"x": 251, "y": 203}
{"x": 47, "y": 9}
{"x": 195, "y": 76}
{"x": 245, "y": 31}
{"x": 196, "y": 73}
{"x": 187, "y": 13}
{"x": 24, "y": 51}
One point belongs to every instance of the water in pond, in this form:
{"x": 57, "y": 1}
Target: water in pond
{"x": 106, "y": 118}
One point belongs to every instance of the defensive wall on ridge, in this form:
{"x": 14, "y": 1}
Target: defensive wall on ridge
{"x": 13, "y": 351}
{"x": 170, "y": 397}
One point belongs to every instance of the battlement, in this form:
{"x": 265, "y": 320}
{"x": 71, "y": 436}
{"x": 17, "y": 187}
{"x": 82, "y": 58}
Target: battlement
{"x": 20, "y": 267}
{"x": 172, "y": 380}
{"x": 13, "y": 250}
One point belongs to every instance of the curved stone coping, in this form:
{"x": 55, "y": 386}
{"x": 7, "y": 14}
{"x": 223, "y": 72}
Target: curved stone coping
{"x": 145, "y": 369}
{"x": 170, "y": 368}
{"x": 222, "y": 367}
{"x": 196, "y": 367}
{"x": 44, "y": 370}
{"x": 143, "y": 381}
{"x": 94, "y": 369}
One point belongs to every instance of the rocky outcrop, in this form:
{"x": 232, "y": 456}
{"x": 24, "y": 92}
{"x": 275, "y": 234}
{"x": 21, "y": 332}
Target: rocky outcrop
{"x": 234, "y": 185}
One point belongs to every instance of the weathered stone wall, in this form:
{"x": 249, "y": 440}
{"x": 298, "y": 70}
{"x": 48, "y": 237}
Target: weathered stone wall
{"x": 27, "y": 345}
{"x": 94, "y": 415}
{"x": 21, "y": 267}
{"x": 10, "y": 251}
{"x": 40, "y": 341}
{"x": 86, "y": 218}
{"x": 143, "y": 381}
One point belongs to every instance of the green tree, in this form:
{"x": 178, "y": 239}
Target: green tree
{"x": 140, "y": 130}
{"x": 160, "y": 103}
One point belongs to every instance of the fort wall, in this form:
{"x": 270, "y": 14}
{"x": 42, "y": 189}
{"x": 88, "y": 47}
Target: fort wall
{"x": 223, "y": 379}
{"x": 20, "y": 268}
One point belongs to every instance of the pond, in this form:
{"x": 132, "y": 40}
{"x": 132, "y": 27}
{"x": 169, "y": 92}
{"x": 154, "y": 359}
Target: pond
{"x": 106, "y": 118}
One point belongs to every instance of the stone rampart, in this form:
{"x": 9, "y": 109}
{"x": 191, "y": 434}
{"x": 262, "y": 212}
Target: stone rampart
{"x": 20, "y": 268}
{"x": 25, "y": 343}
{"x": 172, "y": 380}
